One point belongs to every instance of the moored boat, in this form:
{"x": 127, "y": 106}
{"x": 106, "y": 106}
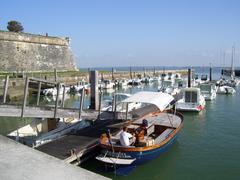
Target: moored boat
{"x": 161, "y": 131}
{"x": 225, "y": 90}
{"x": 208, "y": 91}
{"x": 192, "y": 100}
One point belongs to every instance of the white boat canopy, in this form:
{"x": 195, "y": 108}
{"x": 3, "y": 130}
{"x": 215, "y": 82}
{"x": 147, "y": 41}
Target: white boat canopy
{"x": 159, "y": 99}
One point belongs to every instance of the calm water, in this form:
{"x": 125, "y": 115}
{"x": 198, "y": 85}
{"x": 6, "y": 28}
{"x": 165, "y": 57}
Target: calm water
{"x": 208, "y": 146}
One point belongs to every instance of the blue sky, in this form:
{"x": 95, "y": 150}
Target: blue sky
{"x": 135, "y": 32}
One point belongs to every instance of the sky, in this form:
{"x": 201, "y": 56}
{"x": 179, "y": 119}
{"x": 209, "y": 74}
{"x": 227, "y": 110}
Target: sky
{"x": 112, "y": 33}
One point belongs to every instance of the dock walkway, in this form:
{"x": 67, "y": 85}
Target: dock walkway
{"x": 19, "y": 162}
{"x": 46, "y": 112}
{"x": 74, "y": 147}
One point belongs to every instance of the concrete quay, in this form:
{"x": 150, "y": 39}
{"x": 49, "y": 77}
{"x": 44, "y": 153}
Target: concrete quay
{"x": 19, "y": 162}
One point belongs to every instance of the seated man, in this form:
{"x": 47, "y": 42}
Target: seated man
{"x": 125, "y": 137}
{"x": 142, "y": 131}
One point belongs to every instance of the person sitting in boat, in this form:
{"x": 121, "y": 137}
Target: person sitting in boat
{"x": 142, "y": 131}
{"x": 126, "y": 139}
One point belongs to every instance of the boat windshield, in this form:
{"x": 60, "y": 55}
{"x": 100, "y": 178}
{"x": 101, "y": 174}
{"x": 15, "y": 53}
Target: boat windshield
{"x": 191, "y": 96}
{"x": 205, "y": 87}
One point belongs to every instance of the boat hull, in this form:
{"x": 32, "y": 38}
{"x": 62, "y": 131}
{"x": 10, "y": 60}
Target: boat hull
{"x": 142, "y": 156}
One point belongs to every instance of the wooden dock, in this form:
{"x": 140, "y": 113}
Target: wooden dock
{"x": 82, "y": 145}
{"x": 48, "y": 112}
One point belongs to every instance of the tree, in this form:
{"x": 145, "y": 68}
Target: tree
{"x": 15, "y": 26}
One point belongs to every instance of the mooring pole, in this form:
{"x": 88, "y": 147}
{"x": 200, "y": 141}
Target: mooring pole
{"x": 126, "y": 111}
{"x": 154, "y": 71}
{"x": 55, "y": 74}
{"x": 130, "y": 72}
{"x": 112, "y": 74}
{"x": 81, "y": 102}
{"x": 89, "y": 76}
{"x": 189, "y": 77}
{"x": 5, "y": 88}
{"x": 94, "y": 90}
{"x": 100, "y": 104}
{"x": 115, "y": 107}
{"x": 113, "y": 102}
{"x": 56, "y": 102}
{"x": 39, "y": 92}
{"x": 25, "y": 95}
{"x": 210, "y": 73}
{"x": 63, "y": 98}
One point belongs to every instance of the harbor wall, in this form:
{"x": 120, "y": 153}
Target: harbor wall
{"x": 29, "y": 52}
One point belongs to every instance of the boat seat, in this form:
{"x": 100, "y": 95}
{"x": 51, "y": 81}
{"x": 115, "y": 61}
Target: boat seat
{"x": 150, "y": 130}
{"x": 163, "y": 136}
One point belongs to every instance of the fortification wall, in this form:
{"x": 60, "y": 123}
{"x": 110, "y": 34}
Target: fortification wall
{"x": 28, "y": 52}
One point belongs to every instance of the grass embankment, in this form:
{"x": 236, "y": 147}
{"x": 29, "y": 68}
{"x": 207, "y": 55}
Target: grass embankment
{"x": 42, "y": 74}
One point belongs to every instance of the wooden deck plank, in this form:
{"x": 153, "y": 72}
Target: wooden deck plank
{"x": 80, "y": 141}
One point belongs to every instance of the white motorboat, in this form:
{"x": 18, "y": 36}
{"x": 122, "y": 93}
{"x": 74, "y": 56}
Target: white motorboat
{"x": 192, "y": 100}
{"x": 208, "y": 91}
{"x": 53, "y": 91}
{"x": 134, "y": 82}
{"x": 107, "y": 84}
{"x": 40, "y": 131}
{"x": 121, "y": 107}
{"x": 167, "y": 86}
{"x": 225, "y": 90}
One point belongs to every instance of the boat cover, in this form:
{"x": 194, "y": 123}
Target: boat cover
{"x": 159, "y": 99}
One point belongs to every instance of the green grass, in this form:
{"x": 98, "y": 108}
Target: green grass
{"x": 49, "y": 73}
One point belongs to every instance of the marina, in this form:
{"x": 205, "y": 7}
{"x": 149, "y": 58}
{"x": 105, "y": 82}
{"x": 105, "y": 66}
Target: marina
{"x": 121, "y": 90}
{"x": 68, "y": 148}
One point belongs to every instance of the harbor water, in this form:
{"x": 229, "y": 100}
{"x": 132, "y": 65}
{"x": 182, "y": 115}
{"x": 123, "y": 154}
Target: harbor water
{"x": 207, "y": 148}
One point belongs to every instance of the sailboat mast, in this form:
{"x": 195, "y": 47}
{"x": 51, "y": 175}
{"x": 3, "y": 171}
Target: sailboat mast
{"x": 232, "y": 68}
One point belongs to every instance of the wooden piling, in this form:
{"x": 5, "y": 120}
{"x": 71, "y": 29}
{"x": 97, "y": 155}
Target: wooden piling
{"x": 130, "y": 71}
{"x": 115, "y": 107}
{"x": 39, "y": 92}
{"x": 126, "y": 111}
{"x": 25, "y": 95}
{"x": 189, "y": 77}
{"x": 5, "y": 88}
{"x": 81, "y": 102}
{"x": 112, "y": 74}
{"x": 210, "y": 74}
{"x": 100, "y": 104}
{"x": 55, "y": 74}
{"x": 94, "y": 91}
{"x": 56, "y": 102}
{"x": 113, "y": 102}
{"x": 63, "y": 98}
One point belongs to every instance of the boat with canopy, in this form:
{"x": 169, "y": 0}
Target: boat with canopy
{"x": 161, "y": 131}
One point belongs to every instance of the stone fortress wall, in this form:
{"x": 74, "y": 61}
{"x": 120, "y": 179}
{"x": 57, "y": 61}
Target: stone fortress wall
{"x": 29, "y": 52}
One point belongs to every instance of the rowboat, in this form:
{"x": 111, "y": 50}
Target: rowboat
{"x": 161, "y": 132}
